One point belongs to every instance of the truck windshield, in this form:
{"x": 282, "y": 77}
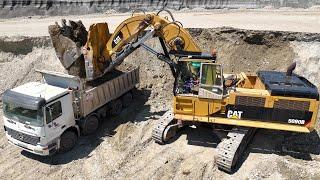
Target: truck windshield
{"x": 23, "y": 115}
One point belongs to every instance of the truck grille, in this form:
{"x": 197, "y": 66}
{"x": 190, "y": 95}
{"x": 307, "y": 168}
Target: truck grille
{"x": 33, "y": 140}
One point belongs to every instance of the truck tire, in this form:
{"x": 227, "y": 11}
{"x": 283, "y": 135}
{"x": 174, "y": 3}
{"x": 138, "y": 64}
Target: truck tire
{"x": 67, "y": 141}
{"x": 126, "y": 99}
{"x": 91, "y": 124}
{"x": 116, "y": 107}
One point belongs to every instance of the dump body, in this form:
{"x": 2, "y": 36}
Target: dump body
{"x": 88, "y": 98}
{"x": 96, "y": 97}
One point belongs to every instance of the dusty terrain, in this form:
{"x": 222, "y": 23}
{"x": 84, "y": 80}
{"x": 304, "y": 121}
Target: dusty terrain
{"x": 123, "y": 149}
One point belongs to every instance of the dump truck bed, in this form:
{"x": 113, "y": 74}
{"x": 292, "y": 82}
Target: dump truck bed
{"x": 97, "y": 96}
{"x": 88, "y": 97}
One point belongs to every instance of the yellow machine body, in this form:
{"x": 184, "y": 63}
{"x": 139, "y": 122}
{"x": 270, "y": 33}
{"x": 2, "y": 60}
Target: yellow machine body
{"x": 252, "y": 94}
{"x": 247, "y": 103}
{"x": 103, "y": 45}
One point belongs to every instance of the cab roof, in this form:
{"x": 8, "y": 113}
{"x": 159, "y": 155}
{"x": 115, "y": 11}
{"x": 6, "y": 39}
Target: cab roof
{"x": 37, "y": 89}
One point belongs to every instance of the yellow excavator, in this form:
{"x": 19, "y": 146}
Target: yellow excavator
{"x": 202, "y": 92}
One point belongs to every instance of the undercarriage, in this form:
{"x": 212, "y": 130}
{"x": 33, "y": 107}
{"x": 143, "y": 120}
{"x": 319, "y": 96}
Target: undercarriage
{"x": 230, "y": 149}
{"x": 244, "y": 102}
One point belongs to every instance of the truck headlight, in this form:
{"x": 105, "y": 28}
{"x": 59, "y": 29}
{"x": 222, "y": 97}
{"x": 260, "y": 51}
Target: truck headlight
{"x": 39, "y": 152}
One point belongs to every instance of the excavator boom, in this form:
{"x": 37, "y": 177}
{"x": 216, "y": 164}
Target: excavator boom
{"x": 97, "y": 51}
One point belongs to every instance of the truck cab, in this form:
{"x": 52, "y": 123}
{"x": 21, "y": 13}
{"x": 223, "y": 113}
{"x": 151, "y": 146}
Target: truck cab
{"x": 35, "y": 116}
{"x": 43, "y": 118}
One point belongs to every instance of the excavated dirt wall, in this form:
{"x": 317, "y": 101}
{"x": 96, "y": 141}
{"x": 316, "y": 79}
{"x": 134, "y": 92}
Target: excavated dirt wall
{"x": 122, "y": 147}
{"x": 16, "y": 8}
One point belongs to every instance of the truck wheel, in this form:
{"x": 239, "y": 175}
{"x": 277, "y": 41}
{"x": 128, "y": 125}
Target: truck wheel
{"x": 91, "y": 124}
{"x": 126, "y": 99}
{"x": 67, "y": 141}
{"x": 116, "y": 107}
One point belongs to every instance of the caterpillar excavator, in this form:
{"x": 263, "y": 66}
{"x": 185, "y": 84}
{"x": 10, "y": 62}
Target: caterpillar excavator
{"x": 202, "y": 92}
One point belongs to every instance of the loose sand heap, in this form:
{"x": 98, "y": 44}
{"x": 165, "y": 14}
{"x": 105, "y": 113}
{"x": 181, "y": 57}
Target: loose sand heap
{"x": 122, "y": 147}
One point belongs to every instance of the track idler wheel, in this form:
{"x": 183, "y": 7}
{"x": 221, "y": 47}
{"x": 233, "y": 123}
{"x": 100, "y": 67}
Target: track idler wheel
{"x": 166, "y": 128}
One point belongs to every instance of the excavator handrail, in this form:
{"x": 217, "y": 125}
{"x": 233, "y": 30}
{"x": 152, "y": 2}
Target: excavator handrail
{"x": 137, "y": 10}
{"x": 169, "y": 12}
{"x": 175, "y": 23}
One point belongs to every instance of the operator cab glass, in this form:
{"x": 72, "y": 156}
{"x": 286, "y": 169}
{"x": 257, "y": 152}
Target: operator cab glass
{"x": 23, "y": 115}
{"x": 211, "y": 82}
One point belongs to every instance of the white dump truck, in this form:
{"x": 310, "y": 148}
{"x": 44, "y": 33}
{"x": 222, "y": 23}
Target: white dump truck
{"x": 47, "y": 117}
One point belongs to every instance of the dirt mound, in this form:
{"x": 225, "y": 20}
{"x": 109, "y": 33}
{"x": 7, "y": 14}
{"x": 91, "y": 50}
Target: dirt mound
{"x": 123, "y": 149}
{"x": 20, "y": 56}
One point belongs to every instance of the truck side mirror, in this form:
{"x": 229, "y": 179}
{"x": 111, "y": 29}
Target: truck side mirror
{"x": 48, "y": 114}
{"x": 50, "y": 110}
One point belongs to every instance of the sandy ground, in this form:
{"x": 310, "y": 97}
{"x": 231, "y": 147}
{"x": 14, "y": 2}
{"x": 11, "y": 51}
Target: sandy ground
{"x": 280, "y": 20}
{"x": 122, "y": 148}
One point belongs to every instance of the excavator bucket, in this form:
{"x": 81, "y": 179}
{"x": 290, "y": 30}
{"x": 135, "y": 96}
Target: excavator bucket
{"x": 81, "y": 52}
{"x": 97, "y": 58}
{"x": 68, "y": 41}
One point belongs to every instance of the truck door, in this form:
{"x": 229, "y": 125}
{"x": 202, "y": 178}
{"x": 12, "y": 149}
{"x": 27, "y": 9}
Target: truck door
{"x": 54, "y": 116}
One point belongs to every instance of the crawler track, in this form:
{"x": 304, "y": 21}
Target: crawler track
{"x": 160, "y": 130}
{"x": 232, "y": 148}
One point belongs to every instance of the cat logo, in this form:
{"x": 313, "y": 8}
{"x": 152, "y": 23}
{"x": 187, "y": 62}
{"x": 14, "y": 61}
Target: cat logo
{"x": 234, "y": 114}
{"x": 118, "y": 38}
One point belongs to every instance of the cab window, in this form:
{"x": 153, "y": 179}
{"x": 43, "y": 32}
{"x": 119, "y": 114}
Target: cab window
{"x": 53, "y": 111}
{"x": 210, "y": 76}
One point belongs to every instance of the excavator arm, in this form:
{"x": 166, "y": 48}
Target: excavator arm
{"x": 172, "y": 32}
{"x": 103, "y": 51}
